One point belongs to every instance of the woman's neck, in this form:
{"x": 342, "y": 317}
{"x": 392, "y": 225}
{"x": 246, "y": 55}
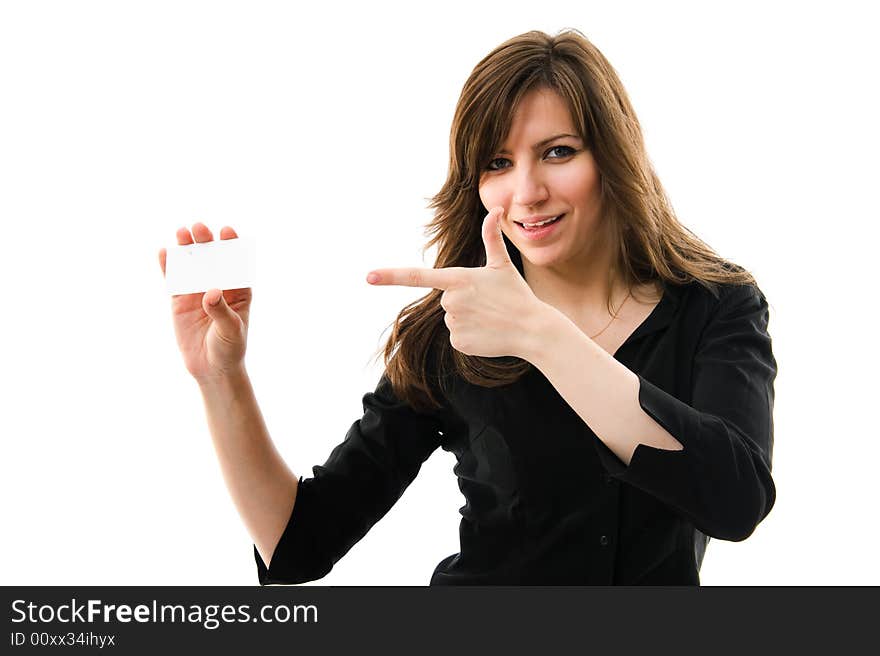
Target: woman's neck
{"x": 580, "y": 285}
{"x": 553, "y": 287}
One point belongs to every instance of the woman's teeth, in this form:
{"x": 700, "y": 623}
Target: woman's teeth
{"x": 540, "y": 223}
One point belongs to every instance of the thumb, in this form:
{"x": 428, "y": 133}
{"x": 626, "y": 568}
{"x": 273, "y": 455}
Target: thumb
{"x": 493, "y": 239}
{"x": 218, "y": 309}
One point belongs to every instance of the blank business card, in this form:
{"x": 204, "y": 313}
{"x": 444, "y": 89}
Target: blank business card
{"x": 221, "y": 264}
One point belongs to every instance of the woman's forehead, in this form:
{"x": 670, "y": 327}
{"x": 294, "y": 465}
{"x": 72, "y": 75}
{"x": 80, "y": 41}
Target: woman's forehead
{"x": 540, "y": 115}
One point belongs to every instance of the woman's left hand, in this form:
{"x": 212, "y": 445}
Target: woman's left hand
{"x": 490, "y": 311}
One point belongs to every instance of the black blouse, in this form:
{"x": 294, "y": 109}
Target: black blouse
{"x": 547, "y": 503}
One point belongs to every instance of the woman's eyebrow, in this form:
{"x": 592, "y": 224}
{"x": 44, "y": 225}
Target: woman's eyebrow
{"x": 544, "y": 142}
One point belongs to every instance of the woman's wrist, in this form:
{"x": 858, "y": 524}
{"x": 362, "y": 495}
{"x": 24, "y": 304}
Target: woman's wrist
{"x": 228, "y": 378}
{"x": 542, "y": 324}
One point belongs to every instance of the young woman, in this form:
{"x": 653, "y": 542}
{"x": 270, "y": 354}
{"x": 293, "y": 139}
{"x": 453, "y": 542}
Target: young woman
{"x": 604, "y": 379}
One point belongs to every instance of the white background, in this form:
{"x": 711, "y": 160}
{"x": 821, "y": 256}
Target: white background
{"x": 320, "y": 133}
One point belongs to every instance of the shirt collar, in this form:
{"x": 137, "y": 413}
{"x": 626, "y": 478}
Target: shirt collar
{"x": 662, "y": 314}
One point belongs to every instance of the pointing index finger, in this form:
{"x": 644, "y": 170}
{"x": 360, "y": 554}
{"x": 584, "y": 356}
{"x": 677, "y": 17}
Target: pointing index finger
{"x": 414, "y": 277}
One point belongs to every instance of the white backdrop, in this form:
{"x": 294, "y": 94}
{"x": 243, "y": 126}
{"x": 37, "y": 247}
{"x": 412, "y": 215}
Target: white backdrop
{"x": 320, "y": 133}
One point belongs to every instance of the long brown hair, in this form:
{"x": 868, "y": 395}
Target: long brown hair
{"x": 650, "y": 243}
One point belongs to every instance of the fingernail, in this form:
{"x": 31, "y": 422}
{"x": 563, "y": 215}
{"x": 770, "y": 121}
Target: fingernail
{"x": 216, "y": 300}
{"x": 372, "y": 277}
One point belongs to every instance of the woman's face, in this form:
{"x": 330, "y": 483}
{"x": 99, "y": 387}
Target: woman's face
{"x": 543, "y": 171}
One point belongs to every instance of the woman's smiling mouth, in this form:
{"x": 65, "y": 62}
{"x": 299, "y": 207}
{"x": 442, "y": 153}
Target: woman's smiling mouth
{"x": 537, "y": 228}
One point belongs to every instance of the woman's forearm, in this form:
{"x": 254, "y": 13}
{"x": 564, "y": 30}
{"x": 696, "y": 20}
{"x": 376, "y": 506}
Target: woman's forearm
{"x": 262, "y": 487}
{"x": 601, "y": 390}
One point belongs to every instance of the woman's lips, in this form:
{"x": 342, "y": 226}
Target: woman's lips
{"x": 542, "y": 232}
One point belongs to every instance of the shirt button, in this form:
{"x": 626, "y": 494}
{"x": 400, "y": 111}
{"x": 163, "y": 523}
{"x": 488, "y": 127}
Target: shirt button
{"x": 603, "y": 540}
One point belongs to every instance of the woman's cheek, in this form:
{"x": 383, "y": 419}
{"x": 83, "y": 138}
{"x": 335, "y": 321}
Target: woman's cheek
{"x": 490, "y": 193}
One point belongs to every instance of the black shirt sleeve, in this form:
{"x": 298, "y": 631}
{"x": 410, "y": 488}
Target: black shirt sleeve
{"x": 363, "y": 477}
{"x": 721, "y": 479}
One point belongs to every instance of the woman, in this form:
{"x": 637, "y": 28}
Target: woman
{"x": 603, "y": 378}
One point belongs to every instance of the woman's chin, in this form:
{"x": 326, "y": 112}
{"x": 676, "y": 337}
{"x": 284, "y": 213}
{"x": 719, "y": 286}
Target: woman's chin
{"x": 537, "y": 258}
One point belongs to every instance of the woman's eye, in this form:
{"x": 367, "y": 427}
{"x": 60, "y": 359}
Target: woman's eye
{"x": 564, "y": 151}
{"x": 502, "y": 163}
{"x": 497, "y": 164}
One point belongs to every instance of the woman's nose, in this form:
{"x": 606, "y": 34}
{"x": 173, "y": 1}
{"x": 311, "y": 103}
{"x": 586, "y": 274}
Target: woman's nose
{"x": 529, "y": 189}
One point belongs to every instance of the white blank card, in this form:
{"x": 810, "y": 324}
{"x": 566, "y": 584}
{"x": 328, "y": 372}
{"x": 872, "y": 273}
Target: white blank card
{"x": 221, "y": 264}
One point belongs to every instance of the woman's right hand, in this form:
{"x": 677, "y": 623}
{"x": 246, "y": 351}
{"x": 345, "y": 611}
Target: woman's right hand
{"x": 211, "y": 328}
